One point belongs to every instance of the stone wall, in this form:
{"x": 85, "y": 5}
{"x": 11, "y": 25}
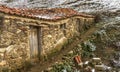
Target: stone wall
{"x": 55, "y": 36}
{"x": 14, "y": 44}
{"x": 14, "y": 39}
{"x": 71, "y": 28}
{"x": 50, "y": 35}
{"x": 83, "y": 24}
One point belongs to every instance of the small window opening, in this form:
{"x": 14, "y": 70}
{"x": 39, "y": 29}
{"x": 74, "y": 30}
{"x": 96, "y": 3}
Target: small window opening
{"x": 63, "y": 27}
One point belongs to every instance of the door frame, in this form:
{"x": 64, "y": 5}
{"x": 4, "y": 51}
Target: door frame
{"x": 39, "y": 42}
{"x": 39, "y": 33}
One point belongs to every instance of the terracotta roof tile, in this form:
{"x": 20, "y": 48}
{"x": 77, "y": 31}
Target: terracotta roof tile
{"x": 46, "y": 14}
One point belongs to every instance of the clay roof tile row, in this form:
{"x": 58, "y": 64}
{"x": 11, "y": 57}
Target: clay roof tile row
{"x": 47, "y": 14}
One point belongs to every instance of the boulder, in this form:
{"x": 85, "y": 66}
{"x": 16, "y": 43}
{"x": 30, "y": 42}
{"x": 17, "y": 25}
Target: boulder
{"x": 2, "y": 50}
{"x": 115, "y": 63}
{"x": 96, "y": 61}
{"x": 60, "y": 43}
{"x": 2, "y": 63}
{"x": 70, "y": 52}
{"x": 102, "y": 68}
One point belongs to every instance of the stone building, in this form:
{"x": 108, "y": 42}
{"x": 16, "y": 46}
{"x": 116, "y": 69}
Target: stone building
{"x": 27, "y": 34}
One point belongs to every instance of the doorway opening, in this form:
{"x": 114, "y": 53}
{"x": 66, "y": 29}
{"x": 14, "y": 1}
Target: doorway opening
{"x": 35, "y": 42}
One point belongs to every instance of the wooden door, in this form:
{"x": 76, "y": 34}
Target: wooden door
{"x": 34, "y": 42}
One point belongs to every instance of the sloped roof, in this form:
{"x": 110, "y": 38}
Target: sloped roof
{"x": 45, "y": 14}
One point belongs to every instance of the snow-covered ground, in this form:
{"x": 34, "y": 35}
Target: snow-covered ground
{"x": 110, "y": 4}
{"x": 87, "y": 6}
